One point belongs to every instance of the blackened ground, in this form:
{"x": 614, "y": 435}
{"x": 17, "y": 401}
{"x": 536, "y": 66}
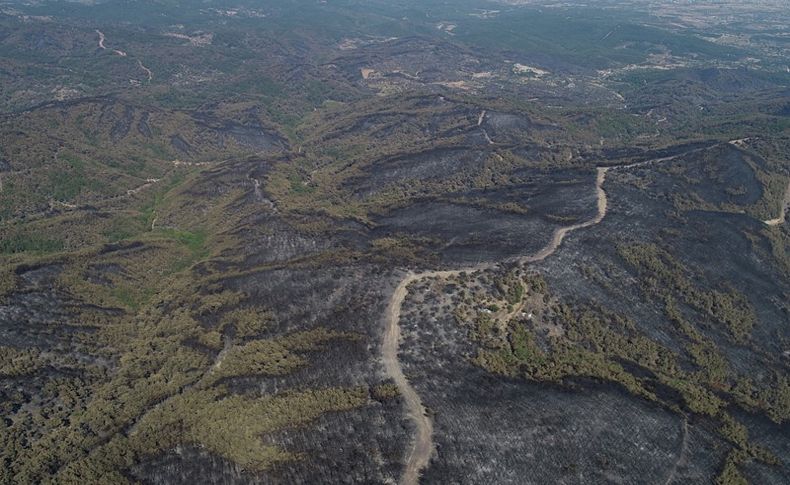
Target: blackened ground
{"x": 436, "y": 164}
{"x": 352, "y": 447}
{"x": 487, "y": 429}
{"x": 773, "y": 437}
{"x": 503, "y": 127}
{"x": 365, "y": 445}
{"x": 477, "y": 225}
{"x": 713, "y": 245}
{"x": 715, "y": 248}
{"x": 468, "y": 234}
{"x": 493, "y": 430}
{"x": 719, "y": 175}
{"x": 253, "y": 136}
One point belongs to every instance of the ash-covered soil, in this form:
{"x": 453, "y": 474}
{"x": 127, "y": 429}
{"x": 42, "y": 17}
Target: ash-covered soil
{"x": 503, "y": 430}
{"x": 359, "y": 447}
{"x": 488, "y": 225}
{"x": 208, "y": 225}
{"x": 362, "y": 446}
{"x": 311, "y": 271}
{"x": 498, "y": 430}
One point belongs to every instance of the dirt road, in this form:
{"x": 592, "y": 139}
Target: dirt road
{"x": 559, "y": 234}
{"x": 148, "y": 72}
{"x": 103, "y": 38}
{"x": 783, "y": 211}
{"x": 422, "y": 447}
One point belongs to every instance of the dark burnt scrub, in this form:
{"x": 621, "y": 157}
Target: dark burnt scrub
{"x": 589, "y": 270}
{"x": 495, "y": 224}
{"x": 510, "y": 418}
{"x": 343, "y": 244}
{"x": 431, "y": 165}
{"x": 423, "y": 447}
{"x": 254, "y": 137}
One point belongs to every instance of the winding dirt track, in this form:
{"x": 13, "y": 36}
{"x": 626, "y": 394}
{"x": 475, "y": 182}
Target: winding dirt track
{"x": 422, "y": 446}
{"x": 782, "y": 212}
{"x": 103, "y": 38}
{"x": 148, "y": 72}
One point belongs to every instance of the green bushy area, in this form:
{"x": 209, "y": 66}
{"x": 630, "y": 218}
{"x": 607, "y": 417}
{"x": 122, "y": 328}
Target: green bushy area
{"x": 661, "y": 276}
{"x": 21, "y": 243}
{"x": 174, "y": 337}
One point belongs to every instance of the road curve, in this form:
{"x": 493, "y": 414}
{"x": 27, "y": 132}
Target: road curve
{"x": 782, "y": 211}
{"x": 101, "y": 39}
{"x": 422, "y": 446}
